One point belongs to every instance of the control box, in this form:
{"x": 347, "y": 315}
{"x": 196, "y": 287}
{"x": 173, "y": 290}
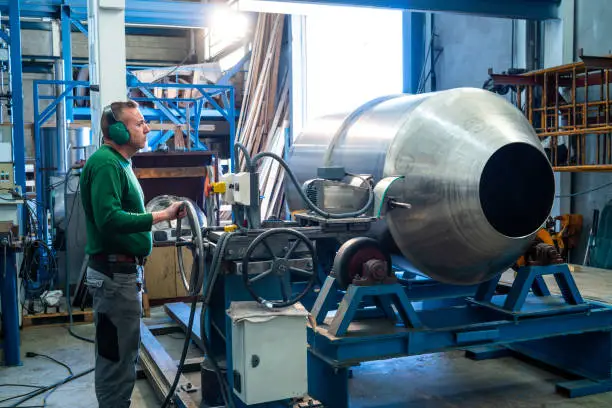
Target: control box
{"x": 268, "y": 352}
{"x": 7, "y": 181}
{"x": 238, "y": 188}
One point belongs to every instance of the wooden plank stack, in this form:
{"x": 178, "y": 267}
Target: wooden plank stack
{"x": 264, "y": 118}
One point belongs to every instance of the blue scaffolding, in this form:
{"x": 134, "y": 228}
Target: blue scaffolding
{"x": 186, "y": 113}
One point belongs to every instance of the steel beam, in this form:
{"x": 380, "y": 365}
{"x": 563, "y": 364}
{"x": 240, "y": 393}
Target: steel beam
{"x": 67, "y": 54}
{"x": 517, "y": 9}
{"x": 164, "y": 13}
{"x": 413, "y": 50}
{"x": 17, "y": 95}
{"x": 161, "y": 369}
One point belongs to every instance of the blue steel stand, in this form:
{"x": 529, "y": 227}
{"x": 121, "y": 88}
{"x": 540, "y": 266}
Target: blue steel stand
{"x": 382, "y": 296}
{"x": 587, "y": 355}
{"x": 10, "y": 311}
{"x": 565, "y": 331}
{"x": 515, "y": 303}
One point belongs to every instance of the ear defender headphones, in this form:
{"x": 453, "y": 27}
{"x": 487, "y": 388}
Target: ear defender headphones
{"x": 117, "y": 131}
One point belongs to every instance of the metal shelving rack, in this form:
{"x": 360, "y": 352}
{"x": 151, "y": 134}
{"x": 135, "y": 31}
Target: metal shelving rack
{"x": 569, "y": 106}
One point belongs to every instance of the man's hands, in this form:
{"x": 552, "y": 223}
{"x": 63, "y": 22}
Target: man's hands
{"x": 175, "y": 211}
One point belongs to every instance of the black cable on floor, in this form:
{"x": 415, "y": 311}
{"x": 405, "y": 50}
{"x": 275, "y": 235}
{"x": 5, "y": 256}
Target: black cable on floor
{"x": 50, "y": 387}
{"x": 32, "y": 354}
{"x": 39, "y": 388}
{"x": 17, "y": 396}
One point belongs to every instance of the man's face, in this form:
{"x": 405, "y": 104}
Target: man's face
{"x": 138, "y": 128}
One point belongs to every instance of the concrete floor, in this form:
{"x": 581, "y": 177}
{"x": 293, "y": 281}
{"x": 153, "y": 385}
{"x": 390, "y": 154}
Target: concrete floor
{"x": 431, "y": 381}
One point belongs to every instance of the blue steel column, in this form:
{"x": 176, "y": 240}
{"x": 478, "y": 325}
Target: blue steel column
{"x": 10, "y": 312}
{"x": 232, "y": 128}
{"x": 67, "y": 56}
{"x": 17, "y": 95}
{"x": 413, "y": 49}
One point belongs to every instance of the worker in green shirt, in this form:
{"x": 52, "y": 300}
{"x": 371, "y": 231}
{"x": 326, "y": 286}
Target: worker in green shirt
{"x": 118, "y": 240}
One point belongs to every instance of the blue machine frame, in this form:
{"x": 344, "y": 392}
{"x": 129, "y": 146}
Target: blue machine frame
{"x": 418, "y": 315}
{"x": 565, "y": 331}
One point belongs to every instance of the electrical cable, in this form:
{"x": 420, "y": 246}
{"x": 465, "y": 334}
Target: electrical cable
{"x": 50, "y": 387}
{"x": 585, "y": 191}
{"x": 225, "y": 389}
{"x": 247, "y": 157}
{"x": 215, "y": 269}
{"x": 18, "y": 396}
{"x": 32, "y": 354}
{"x": 39, "y": 388}
{"x": 310, "y": 204}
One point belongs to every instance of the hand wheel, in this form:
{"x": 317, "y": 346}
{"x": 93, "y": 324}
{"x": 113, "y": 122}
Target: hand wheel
{"x": 281, "y": 267}
{"x": 195, "y": 244}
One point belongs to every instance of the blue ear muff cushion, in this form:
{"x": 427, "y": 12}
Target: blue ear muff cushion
{"x": 119, "y": 133}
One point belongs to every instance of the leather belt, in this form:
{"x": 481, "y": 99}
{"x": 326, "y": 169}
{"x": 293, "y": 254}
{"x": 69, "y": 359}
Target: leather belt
{"x": 118, "y": 258}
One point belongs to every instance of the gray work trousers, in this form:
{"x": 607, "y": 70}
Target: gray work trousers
{"x": 117, "y": 305}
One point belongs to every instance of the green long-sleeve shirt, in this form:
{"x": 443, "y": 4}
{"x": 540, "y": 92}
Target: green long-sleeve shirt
{"x": 113, "y": 202}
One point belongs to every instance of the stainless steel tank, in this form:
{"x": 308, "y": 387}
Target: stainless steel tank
{"x": 474, "y": 171}
{"x": 80, "y": 145}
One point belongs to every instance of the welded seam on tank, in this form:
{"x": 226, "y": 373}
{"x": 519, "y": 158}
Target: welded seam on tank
{"x": 350, "y": 120}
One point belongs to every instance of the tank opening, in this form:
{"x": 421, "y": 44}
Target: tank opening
{"x": 517, "y": 189}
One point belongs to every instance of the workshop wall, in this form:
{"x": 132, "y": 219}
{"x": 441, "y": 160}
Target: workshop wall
{"x": 467, "y": 46}
{"x": 593, "y": 34}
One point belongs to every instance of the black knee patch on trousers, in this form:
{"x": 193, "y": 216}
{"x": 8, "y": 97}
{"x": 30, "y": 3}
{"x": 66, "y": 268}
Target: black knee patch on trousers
{"x": 107, "y": 339}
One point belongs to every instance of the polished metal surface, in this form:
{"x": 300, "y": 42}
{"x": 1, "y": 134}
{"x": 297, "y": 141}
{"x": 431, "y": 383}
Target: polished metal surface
{"x": 473, "y": 171}
{"x": 80, "y": 145}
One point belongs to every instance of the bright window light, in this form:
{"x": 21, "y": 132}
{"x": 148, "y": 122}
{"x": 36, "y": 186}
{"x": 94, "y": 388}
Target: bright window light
{"x": 349, "y": 66}
{"x": 229, "y": 25}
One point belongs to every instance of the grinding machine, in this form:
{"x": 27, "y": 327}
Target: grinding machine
{"x": 404, "y": 214}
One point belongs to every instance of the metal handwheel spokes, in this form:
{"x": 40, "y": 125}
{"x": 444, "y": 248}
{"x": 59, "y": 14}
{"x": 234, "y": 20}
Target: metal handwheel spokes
{"x": 195, "y": 244}
{"x": 281, "y": 267}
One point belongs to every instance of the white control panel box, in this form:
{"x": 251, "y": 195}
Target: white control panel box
{"x": 238, "y": 188}
{"x": 269, "y": 352}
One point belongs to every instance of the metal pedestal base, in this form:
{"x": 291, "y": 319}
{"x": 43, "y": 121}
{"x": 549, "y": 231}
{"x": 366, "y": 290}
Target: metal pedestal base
{"x": 565, "y": 332}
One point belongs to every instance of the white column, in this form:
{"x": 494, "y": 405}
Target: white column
{"x": 106, "y": 20}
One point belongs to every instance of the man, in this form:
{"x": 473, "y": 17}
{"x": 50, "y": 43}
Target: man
{"x": 118, "y": 240}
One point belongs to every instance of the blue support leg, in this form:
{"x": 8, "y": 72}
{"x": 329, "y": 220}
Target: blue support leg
{"x": 17, "y": 97}
{"x": 567, "y": 286}
{"x": 486, "y": 290}
{"x": 539, "y": 287}
{"x": 10, "y": 311}
{"x": 326, "y": 301}
{"x": 326, "y": 383}
{"x": 67, "y": 56}
{"x": 520, "y": 289}
{"x": 346, "y": 311}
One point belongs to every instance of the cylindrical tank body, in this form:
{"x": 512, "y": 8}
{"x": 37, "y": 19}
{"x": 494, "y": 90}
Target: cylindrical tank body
{"x": 55, "y": 165}
{"x": 474, "y": 172}
{"x": 80, "y": 145}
